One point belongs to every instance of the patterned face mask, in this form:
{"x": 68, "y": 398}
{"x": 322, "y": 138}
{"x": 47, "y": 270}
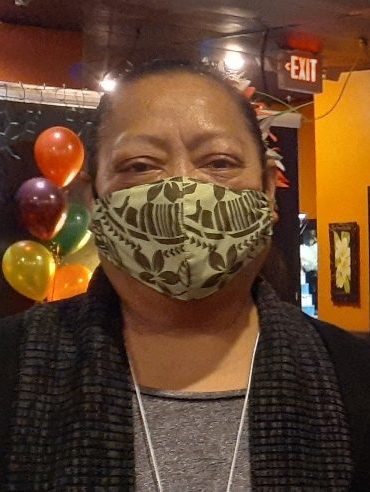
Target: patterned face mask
{"x": 182, "y": 237}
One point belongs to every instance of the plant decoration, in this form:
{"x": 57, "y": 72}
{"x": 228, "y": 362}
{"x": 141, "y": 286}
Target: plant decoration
{"x": 239, "y": 80}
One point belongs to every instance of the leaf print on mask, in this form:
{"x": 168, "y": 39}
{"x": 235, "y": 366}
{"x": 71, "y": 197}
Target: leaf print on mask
{"x": 153, "y": 272}
{"x": 219, "y": 192}
{"x": 184, "y": 273}
{"x": 212, "y": 281}
{"x": 154, "y": 191}
{"x": 147, "y": 277}
{"x": 235, "y": 267}
{"x": 110, "y": 247}
{"x": 170, "y": 278}
{"x": 172, "y": 191}
{"x": 216, "y": 261}
{"x": 231, "y": 267}
{"x": 131, "y": 216}
{"x": 231, "y": 256}
{"x": 158, "y": 261}
{"x": 189, "y": 188}
{"x": 142, "y": 260}
{"x": 182, "y": 237}
{"x": 121, "y": 209}
{"x": 195, "y": 217}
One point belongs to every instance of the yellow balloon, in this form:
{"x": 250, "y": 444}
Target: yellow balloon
{"x": 29, "y": 268}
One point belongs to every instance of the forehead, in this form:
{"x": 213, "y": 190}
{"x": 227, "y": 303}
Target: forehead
{"x": 181, "y": 100}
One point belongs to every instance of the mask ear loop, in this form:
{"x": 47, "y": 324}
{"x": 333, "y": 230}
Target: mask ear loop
{"x": 272, "y": 165}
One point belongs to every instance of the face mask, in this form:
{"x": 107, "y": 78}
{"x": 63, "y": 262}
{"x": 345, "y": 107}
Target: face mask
{"x": 182, "y": 237}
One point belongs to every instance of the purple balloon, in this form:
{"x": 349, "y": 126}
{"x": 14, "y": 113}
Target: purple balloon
{"x": 43, "y": 207}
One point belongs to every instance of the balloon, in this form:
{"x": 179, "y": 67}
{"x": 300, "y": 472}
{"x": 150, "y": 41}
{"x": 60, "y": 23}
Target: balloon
{"x": 43, "y": 207}
{"x": 73, "y": 231}
{"x": 69, "y": 281}
{"x": 29, "y": 268}
{"x": 59, "y": 154}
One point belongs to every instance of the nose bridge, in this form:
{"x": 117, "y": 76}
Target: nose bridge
{"x": 182, "y": 165}
{"x": 180, "y": 160}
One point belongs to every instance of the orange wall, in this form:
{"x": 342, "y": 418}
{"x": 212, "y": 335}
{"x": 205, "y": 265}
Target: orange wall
{"x": 342, "y": 177}
{"x": 34, "y": 55}
{"x": 307, "y": 163}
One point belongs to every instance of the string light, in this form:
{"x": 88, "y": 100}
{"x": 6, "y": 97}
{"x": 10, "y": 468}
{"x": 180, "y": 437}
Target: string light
{"x": 108, "y": 84}
{"x": 22, "y": 3}
{"x": 234, "y": 60}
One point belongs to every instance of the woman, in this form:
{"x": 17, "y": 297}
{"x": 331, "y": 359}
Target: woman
{"x": 180, "y": 370}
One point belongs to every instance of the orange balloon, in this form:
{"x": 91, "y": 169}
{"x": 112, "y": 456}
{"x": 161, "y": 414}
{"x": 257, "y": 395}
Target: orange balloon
{"x": 59, "y": 154}
{"x": 69, "y": 281}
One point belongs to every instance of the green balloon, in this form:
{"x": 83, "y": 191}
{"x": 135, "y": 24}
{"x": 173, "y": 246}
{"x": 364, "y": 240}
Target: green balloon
{"x": 73, "y": 231}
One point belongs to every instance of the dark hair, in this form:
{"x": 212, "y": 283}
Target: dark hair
{"x": 167, "y": 66}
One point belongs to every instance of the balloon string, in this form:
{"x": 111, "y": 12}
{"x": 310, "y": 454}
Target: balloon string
{"x": 53, "y": 286}
{"x": 57, "y": 263}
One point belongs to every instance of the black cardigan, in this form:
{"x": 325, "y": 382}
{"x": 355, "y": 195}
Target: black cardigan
{"x": 351, "y": 358}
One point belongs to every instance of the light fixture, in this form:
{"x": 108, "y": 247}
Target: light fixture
{"x": 108, "y": 84}
{"x": 22, "y": 3}
{"x": 234, "y": 60}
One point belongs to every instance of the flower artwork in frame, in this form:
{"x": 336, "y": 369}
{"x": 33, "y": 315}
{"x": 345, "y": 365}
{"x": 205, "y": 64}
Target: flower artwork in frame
{"x": 344, "y": 262}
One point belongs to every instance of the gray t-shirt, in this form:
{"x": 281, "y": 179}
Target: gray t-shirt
{"x": 193, "y": 436}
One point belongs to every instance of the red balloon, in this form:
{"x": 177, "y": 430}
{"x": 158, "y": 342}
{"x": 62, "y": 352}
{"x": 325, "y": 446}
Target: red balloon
{"x": 43, "y": 207}
{"x": 59, "y": 154}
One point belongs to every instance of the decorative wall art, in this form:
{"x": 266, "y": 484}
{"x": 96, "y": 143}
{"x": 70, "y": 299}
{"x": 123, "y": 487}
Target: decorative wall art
{"x": 344, "y": 262}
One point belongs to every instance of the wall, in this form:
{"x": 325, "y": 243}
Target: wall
{"x": 36, "y": 56}
{"x": 342, "y": 177}
{"x": 307, "y": 163}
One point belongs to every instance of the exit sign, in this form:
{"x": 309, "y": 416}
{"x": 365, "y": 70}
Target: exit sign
{"x": 300, "y": 72}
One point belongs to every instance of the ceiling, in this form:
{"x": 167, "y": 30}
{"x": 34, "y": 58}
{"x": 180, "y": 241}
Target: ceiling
{"x": 137, "y": 30}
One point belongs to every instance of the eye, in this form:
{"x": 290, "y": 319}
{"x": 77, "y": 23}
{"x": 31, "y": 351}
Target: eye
{"x": 136, "y": 167}
{"x": 222, "y": 162}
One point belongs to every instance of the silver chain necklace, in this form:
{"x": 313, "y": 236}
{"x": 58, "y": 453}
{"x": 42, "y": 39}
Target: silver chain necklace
{"x": 238, "y": 437}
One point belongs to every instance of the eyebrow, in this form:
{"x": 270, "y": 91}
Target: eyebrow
{"x": 162, "y": 142}
{"x": 142, "y": 138}
{"x": 206, "y": 136}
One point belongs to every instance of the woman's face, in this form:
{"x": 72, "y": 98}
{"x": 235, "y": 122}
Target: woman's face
{"x": 176, "y": 124}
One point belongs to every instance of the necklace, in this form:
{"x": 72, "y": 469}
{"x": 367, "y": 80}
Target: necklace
{"x": 238, "y": 437}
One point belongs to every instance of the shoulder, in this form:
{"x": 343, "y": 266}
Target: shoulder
{"x": 351, "y": 359}
{"x": 13, "y": 329}
{"x": 350, "y": 356}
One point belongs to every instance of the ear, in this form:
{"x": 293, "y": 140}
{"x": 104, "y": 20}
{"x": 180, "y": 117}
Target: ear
{"x": 87, "y": 188}
{"x": 269, "y": 187}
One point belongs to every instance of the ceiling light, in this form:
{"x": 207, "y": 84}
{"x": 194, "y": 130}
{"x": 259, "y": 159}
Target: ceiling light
{"x": 22, "y": 3}
{"x": 234, "y": 60}
{"x": 108, "y": 84}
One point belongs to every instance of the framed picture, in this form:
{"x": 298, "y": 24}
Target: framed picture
{"x": 344, "y": 262}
